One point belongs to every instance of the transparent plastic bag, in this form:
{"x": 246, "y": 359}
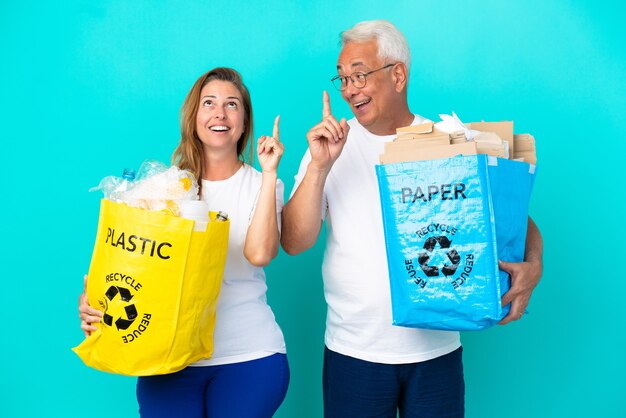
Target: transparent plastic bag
{"x": 112, "y": 187}
{"x": 156, "y": 187}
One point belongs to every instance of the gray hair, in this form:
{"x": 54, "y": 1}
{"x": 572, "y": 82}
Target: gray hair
{"x": 392, "y": 44}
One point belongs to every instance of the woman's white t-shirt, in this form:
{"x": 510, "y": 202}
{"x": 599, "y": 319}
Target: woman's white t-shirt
{"x": 245, "y": 327}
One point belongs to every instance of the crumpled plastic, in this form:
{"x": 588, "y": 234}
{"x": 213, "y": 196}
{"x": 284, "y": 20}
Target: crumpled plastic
{"x": 452, "y": 123}
{"x": 157, "y": 187}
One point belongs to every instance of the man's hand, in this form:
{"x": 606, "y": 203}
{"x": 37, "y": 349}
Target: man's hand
{"x": 524, "y": 279}
{"x": 524, "y": 275}
{"x": 327, "y": 138}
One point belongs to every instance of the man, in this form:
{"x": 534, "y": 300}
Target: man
{"x": 372, "y": 368}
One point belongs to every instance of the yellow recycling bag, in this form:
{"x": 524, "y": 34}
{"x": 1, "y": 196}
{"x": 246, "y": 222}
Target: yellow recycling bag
{"x": 157, "y": 282}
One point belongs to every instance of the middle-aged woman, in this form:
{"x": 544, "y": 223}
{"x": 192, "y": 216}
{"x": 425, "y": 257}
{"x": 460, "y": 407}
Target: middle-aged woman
{"x": 248, "y": 374}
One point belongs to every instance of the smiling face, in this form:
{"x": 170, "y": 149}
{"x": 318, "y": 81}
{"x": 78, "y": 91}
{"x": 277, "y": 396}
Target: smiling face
{"x": 381, "y": 105}
{"x": 220, "y": 116}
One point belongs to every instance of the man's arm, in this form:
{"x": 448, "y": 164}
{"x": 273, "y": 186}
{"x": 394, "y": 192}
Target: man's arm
{"x": 301, "y": 216}
{"x": 524, "y": 275}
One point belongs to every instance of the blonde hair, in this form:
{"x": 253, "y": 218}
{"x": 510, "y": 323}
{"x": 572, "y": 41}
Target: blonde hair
{"x": 188, "y": 154}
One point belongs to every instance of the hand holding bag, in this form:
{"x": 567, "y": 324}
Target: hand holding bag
{"x": 447, "y": 222}
{"x": 157, "y": 282}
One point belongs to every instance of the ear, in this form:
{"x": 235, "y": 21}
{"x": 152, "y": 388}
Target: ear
{"x": 400, "y": 76}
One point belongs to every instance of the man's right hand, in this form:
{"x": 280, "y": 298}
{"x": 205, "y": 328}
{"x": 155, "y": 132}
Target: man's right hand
{"x": 327, "y": 138}
{"x": 87, "y": 314}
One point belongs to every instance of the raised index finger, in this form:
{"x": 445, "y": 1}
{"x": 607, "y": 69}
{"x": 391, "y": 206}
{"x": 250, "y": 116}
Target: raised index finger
{"x": 276, "y": 131}
{"x": 326, "y": 105}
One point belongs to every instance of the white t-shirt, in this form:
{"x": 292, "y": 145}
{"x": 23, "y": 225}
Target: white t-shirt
{"x": 356, "y": 278}
{"x": 245, "y": 327}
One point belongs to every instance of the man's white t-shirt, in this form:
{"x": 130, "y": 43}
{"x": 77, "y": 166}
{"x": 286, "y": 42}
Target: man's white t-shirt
{"x": 356, "y": 278}
{"x": 245, "y": 327}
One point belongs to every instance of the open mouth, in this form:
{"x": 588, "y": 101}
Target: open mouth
{"x": 219, "y": 128}
{"x": 361, "y": 103}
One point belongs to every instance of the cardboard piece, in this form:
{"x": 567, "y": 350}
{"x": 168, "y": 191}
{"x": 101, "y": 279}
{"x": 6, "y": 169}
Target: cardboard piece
{"x": 503, "y": 129}
{"x": 457, "y": 137}
{"x": 424, "y": 128}
{"x": 426, "y": 141}
{"x": 429, "y": 153}
{"x": 525, "y": 148}
{"x": 405, "y": 145}
{"x": 421, "y": 132}
{"x": 497, "y": 150}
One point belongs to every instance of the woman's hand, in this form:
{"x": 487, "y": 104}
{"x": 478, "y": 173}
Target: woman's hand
{"x": 86, "y": 313}
{"x": 270, "y": 149}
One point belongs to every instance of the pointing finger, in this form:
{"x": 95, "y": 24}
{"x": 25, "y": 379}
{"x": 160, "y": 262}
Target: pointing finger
{"x": 325, "y": 105}
{"x": 276, "y": 132}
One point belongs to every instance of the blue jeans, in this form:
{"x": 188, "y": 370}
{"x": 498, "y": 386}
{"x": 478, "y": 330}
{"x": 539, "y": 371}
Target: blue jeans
{"x": 356, "y": 388}
{"x": 251, "y": 389}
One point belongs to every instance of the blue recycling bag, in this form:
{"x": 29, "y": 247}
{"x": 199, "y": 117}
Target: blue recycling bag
{"x": 447, "y": 222}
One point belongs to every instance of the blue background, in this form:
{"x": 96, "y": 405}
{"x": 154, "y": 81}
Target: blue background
{"x": 90, "y": 87}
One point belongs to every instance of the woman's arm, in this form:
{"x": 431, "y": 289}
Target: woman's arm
{"x": 261, "y": 244}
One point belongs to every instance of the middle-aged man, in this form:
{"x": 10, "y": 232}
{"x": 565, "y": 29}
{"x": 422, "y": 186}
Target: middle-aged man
{"x": 372, "y": 368}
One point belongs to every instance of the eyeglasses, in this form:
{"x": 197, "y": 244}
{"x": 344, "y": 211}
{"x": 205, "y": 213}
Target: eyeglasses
{"x": 359, "y": 79}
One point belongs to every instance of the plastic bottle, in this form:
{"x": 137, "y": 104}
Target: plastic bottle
{"x": 128, "y": 176}
{"x": 197, "y": 211}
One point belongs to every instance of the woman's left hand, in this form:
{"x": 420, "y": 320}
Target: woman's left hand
{"x": 270, "y": 149}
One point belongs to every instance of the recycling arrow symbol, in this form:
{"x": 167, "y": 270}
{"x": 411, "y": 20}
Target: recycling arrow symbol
{"x": 429, "y": 247}
{"x": 131, "y": 312}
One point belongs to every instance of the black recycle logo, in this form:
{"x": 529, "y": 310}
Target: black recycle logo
{"x": 425, "y": 257}
{"x": 129, "y": 308}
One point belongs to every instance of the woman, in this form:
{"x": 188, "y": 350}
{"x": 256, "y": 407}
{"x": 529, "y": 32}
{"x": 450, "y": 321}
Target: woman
{"x": 248, "y": 374}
